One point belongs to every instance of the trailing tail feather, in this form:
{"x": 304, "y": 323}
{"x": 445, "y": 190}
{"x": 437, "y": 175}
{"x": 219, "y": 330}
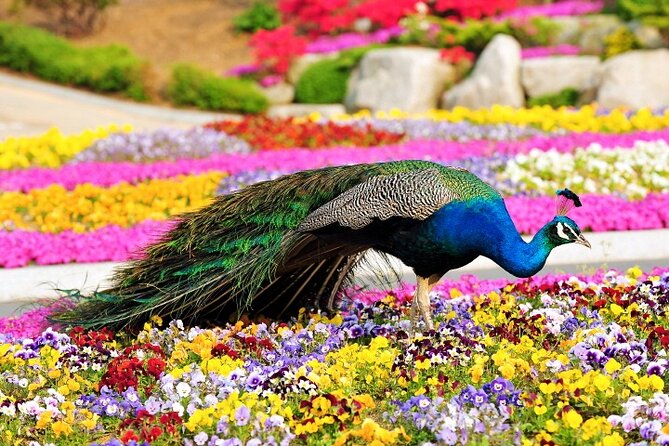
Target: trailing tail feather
{"x": 242, "y": 253}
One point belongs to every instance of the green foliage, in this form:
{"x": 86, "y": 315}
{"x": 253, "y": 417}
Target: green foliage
{"x": 620, "y": 41}
{"x": 110, "y": 68}
{"x": 565, "y": 98}
{"x": 642, "y": 9}
{"x": 70, "y": 17}
{"x": 191, "y": 85}
{"x": 260, "y": 16}
{"x": 324, "y": 82}
{"x": 474, "y": 35}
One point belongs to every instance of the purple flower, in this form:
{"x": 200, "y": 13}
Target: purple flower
{"x": 242, "y": 416}
{"x": 253, "y": 381}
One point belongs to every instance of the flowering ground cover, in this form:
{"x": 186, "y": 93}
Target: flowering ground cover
{"x": 547, "y": 360}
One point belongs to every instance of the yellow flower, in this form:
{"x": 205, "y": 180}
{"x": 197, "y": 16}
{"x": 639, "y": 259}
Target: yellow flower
{"x": 612, "y": 366}
{"x": 54, "y": 209}
{"x": 50, "y": 149}
{"x": 551, "y": 426}
{"x": 540, "y": 410}
{"x": 595, "y": 426}
{"x": 320, "y": 406}
{"x": 602, "y": 382}
{"x": 44, "y": 419}
{"x": 424, "y": 364}
{"x": 614, "y": 439}
{"x": 572, "y": 418}
{"x": 61, "y": 428}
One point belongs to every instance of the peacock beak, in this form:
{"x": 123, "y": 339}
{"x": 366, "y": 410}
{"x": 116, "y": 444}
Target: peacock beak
{"x": 582, "y": 241}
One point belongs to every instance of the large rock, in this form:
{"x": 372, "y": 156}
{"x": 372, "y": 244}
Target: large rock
{"x": 648, "y": 36}
{"x": 495, "y": 79}
{"x": 410, "y": 79}
{"x": 281, "y": 93}
{"x": 547, "y": 75}
{"x": 635, "y": 79}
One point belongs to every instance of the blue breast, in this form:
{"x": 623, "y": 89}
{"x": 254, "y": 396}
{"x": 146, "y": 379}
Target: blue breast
{"x": 454, "y": 236}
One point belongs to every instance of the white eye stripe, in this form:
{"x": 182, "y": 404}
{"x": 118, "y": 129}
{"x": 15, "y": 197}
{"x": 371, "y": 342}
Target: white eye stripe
{"x": 572, "y": 231}
{"x": 560, "y": 231}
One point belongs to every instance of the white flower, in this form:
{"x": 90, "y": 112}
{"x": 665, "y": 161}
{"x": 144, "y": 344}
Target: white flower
{"x": 183, "y": 389}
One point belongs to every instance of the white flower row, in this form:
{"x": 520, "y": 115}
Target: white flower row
{"x": 632, "y": 172}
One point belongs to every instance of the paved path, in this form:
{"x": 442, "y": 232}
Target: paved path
{"x": 30, "y": 107}
{"x": 609, "y": 249}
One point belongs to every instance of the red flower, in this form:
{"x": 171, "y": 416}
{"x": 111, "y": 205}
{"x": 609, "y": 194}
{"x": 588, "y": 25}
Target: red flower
{"x": 128, "y": 436}
{"x": 277, "y": 48}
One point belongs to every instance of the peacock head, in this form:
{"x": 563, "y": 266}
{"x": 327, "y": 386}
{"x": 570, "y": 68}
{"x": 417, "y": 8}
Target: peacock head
{"x": 562, "y": 229}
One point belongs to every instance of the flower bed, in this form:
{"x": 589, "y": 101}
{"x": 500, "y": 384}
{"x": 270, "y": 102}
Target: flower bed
{"x": 105, "y": 195}
{"x": 548, "y": 360}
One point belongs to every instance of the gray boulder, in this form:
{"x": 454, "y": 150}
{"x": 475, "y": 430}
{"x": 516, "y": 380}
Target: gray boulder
{"x": 547, "y": 75}
{"x": 495, "y": 79}
{"x": 635, "y": 79}
{"x": 410, "y": 79}
{"x": 281, "y": 93}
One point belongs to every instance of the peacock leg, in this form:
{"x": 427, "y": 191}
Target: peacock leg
{"x": 422, "y": 301}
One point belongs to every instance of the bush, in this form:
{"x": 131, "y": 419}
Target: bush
{"x": 639, "y": 9}
{"x": 474, "y": 35}
{"x": 565, "y": 98}
{"x": 620, "y": 41}
{"x": 191, "y": 85}
{"x": 72, "y": 17}
{"x": 110, "y": 68}
{"x": 324, "y": 82}
{"x": 260, "y": 16}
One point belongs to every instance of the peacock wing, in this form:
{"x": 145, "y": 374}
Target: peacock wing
{"x": 414, "y": 194}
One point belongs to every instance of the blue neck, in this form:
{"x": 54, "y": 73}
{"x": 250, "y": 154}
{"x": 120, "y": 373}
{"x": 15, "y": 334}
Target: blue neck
{"x": 518, "y": 257}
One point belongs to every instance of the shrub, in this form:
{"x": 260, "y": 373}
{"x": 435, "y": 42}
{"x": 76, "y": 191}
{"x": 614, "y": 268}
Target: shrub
{"x": 191, "y": 85}
{"x": 73, "y": 17}
{"x": 324, "y": 82}
{"x": 651, "y": 12}
{"x": 260, "y": 16}
{"x": 564, "y": 98}
{"x": 110, "y": 68}
{"x": 621, "y": 40}
{"x": 474, "y": 35}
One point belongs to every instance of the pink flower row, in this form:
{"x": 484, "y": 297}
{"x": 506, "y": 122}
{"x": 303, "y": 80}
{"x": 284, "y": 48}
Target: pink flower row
{"x": 108, "y": 174}
{"x": 599, "y": 213}
{"x": 566, "y": 8}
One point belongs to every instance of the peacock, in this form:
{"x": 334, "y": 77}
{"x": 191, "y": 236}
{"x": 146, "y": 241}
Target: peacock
{"x": 292, "y": 242}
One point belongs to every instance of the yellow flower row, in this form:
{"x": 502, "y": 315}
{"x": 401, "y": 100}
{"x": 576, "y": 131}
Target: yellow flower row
{"x": 585, "y": 119}
{"x": 54, "y": 209}
{"x": 50, "y": 149}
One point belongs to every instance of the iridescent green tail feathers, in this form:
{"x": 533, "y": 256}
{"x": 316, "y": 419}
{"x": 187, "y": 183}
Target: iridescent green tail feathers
{"x": 242, "y": 253}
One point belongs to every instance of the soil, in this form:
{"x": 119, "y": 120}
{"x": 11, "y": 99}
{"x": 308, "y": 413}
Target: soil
{"x": 164, "y": 32}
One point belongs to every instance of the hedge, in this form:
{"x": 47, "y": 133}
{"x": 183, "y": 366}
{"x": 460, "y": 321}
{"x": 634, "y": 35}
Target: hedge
{"x": 191, "y": 85}
{"x": 111, "y": 68}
